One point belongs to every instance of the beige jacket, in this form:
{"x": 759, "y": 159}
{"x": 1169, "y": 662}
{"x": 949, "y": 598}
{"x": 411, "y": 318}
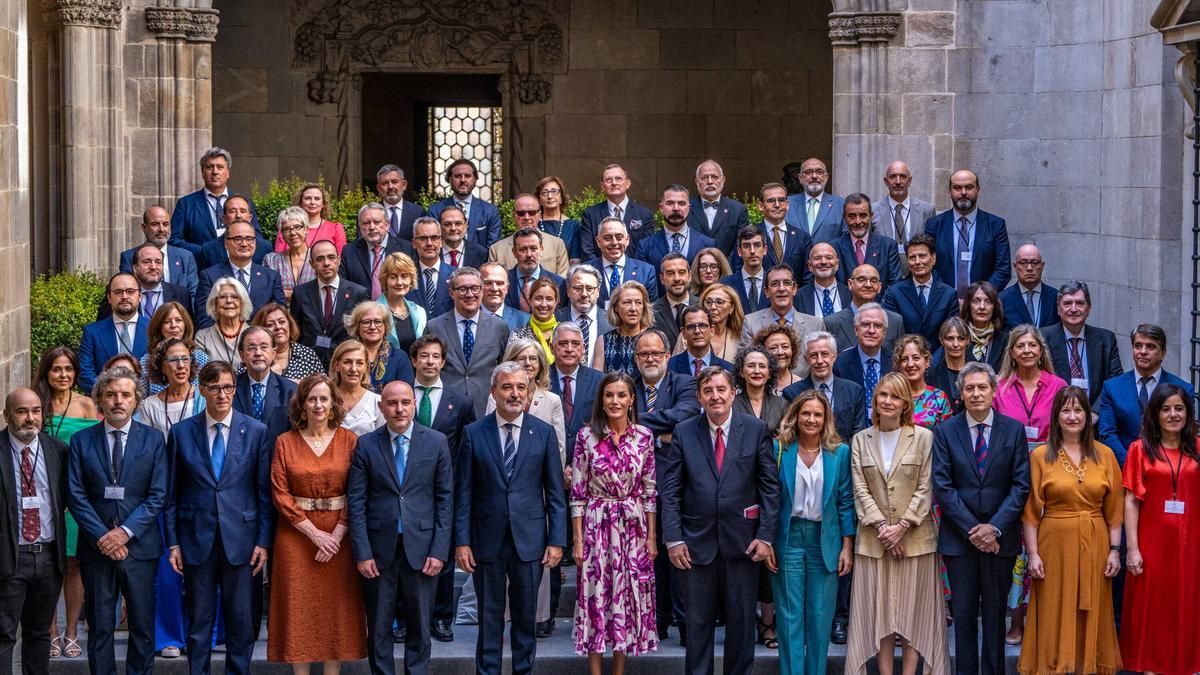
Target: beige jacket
{"x": 906, "y": 492}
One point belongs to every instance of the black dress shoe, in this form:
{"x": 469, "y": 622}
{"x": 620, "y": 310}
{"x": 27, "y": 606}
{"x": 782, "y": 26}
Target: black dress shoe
{"x": 399, "y": 634}
{"x": 545, "y": 629}
{"x": 682, "y": 635}
{"x": 441, "y": 631}
{"x": 839, "y": 633}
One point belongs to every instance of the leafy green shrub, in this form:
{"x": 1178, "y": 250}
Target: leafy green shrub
{"x": 268, "y": 204}
{"x": 344, "y": 208}
{"x": 60, "y": 305}
{"x": 752, "y": 211}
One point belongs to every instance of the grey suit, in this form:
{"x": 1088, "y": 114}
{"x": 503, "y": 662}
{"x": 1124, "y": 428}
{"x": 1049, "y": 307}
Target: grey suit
{"x": 802, "y": 323}
{"x": 491, "y": 336}
{"x": 882, "y": 221}
{"x": 841, "y": 326}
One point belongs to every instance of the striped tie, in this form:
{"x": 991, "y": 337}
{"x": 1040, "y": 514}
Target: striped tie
{"x": 651, "y": 396}
{"x": 510, "y": 451}
{"x": 981, "y": 447}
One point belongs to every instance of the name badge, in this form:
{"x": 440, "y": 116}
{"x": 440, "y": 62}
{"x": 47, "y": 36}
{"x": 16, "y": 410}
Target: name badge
{"x": 750, "y": 512}
{"x": 114, "y": 492}
{"x": 900, "y": 248}
{"x": 1174, "y": 506}
{"x": 965, "y": 256}
{"x": 1080, "y": 382}
{"x": 1031, "y": 433}
{"x": 324, "y": 342}
{"x": 31, "y": 502}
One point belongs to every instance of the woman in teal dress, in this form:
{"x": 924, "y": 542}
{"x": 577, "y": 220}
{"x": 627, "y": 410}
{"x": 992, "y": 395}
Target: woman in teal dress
{"x": 66, "y": 412}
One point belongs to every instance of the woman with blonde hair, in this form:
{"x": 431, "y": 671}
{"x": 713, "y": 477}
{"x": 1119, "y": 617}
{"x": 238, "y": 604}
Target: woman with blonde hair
{"x": 630, "y": 314}
{"x": 348, "y": 372}
{"x": 313, "y": 202}
{"x": 398, "y": 276}
{"x": 543, "y": 300}
{"x": 370, "y": 323}
{"x": 726, "y": 316}
{"x": 291, "y": 262}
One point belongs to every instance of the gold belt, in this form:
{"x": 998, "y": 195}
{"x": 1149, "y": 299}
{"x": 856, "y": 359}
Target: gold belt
{"x": 322, "y": 503}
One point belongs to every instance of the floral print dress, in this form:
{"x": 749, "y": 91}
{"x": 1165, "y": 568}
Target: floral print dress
{"x": 612, "y": 490}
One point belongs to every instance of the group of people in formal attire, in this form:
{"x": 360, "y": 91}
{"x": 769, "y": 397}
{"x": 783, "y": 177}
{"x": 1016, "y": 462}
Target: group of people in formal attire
{"x": 840, "y": 425}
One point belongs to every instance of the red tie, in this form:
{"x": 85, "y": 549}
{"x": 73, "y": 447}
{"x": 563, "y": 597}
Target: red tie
{"x": 31, "y": 524}
{"x": 697, "y": 366}
{"x": 859, "y": 254}
{"x": 328, "y": 305}
{"x": 454, "y": 257}
{"x": 568, "y": 397}
{"x": 719, "y": 449}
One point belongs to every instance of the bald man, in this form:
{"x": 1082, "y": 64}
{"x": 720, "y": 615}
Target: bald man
{"x": 900, "y": 215}
{"x": 179, "y": 266}
{"x": 1029, "y": 300}
{"x": 825, "y": 295}
{"x": 971, "y": 244}
{"x": 814, "y": 211}
{"x": 864, "y": 287}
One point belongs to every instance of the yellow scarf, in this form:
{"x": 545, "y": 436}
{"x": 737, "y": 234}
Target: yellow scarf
{"x": 544, "y": 332}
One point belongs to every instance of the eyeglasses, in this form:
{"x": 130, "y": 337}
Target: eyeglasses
{"x": 708, "y": 267}
{"x": 775, "y": 200}
{"x": 781, "y": 283}
{"x": 176, "y": 360}
{"x": 697, "y": 327}
{"x": 526, "y": 213}
{"x": 813, "y": 172}
{"x": 550, "y": 192}
{"x": 216, "y": 389}
{"x": 429, "y": 237}
{"x": 371, "y": 323}
{"x": 650, "y": 356}
{"x": 865, "y": 281}
{"x": 293, "y": 228}
{"x": 1029, "y": 263}
{"x": 468, "y": 290}
{"x": 715, "y": 302}
{"x": 584, "y": 290}
{"x": 124, "y": 292}
{"x": 241, "y": 240}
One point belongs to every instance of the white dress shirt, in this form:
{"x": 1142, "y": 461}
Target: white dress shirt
{"x": 819, "y": 296}
{"x": 435, "y": 395}
{"x": 459, "y": 320}
{"x": 516, "y": 432}
{"x": 809, "y": 489}
{"x": 210, "y": 425}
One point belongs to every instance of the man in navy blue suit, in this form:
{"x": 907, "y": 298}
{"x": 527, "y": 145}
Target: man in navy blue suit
{"x": 147, "y": 269}
{"x": 262, "y": 284}
{"x": 787, "y": 243}
{"x": 117, "y": 484}
{"x": 846, "y": 397}
{"x": 717, "y": 216}
{"x": 483, "y": 219}
{"x": 362, "y": 259}
{"x": 457, "y": 249}
{"x": 698, "y": 354}
{"x": 720, "y": 470}
{"x": 400, "y": 496}
{"x": 638, "y": 220}
{"x": 433, "y": 276}
{"x": 825, "y": 295}
{"x": 1029, "y": 300}
{"x": 677, "y": 235}
{"x": 123, "y": 332}
{"x": 861, "y": 246}
{"x": 179, "y": 265}
{"x": 527, "y": 250}
{"x": 319, "y": 306}
{"x": 197, "y": 216}
{"x": 214, "y": 251}
{"x": 400, "y": 215}
{"x": 921, "y": 300}
{"x": 1084, "y": 355}
{"x": 496, "y": 295}
{"x": 750, "y": 281}
{"x": 1124, "y": 397}
{"x": 448, "y": 411}
{"x": 615, "y": 266}
{"x": 261, "y": 393}
{"x": 981, "y": 480}
{"x": 867, "y": 361}
{"x": 219, "y": 518}
{"x": 971, "y": 244}
{"x": 510, "y": 518}
{"x": 815, "y": 212}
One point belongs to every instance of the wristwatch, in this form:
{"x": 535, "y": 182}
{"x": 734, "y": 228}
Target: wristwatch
{"x": 996, "y": 530}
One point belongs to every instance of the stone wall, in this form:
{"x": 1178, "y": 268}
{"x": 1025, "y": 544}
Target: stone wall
{"x": 14, "y": 200}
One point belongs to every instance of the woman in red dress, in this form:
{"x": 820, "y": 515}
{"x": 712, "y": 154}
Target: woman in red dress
{"x": 1162, "y": 530}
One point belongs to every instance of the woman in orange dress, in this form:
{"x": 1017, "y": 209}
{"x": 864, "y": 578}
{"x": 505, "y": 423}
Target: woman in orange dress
{"x": 316, "y": 602}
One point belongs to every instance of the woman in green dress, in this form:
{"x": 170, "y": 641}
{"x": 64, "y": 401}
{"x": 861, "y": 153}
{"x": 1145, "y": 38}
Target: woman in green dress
{"x": 66, "y": 411}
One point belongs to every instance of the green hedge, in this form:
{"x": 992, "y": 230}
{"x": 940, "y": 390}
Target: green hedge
{"x": 60, "y": 305}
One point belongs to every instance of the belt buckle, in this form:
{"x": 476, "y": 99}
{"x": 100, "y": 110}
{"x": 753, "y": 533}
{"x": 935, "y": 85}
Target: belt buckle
{"x": 32, "y": 548}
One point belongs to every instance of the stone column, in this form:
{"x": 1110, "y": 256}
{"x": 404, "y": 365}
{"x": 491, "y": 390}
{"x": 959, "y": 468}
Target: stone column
{"x": 88, "y": 94}
{"x": 14, "y": 199}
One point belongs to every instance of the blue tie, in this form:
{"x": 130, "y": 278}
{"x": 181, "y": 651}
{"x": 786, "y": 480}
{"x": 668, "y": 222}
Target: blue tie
{"x": 401, "y": 449}
{"x": 827, "y": 304}
{"x": 218, "y": 450}
{"x": 676, "y": 242}
{"x": 871, "y": 379}
{"x": 614, "y": 278}
{"x": 981, "y": 448}
{"x": 510, "y": 451}
{"x": 258, "y": 399}
{"x": 468, "y": 340}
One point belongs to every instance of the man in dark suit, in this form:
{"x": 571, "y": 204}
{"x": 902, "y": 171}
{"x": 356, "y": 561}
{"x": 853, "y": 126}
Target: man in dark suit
{"x": 981, "y": 481}
{"x": 825, "y": 295}
{"x": 147, "y": 269}
{"x": 615, "y": 266}
{"x": 433, "y": 276}
{"x": 474, "y": 339}
{"x": 720, "y": 470}
{"x": 750, "y": 281}
{"x": 319, "y": 306}
{"x": 712, "y": 213}
{"x": 847, "y": 398}
{"x": 638, "y": 220}
{"x": 262, "y": 284}
{"x": 214, "y": 251}
{"x": 509, "y": 464}
{"x": 864, "y": 288}
{"x": 675, "y": 278}
{"x": 123, "y": 332}
{"x": 527, "y": 250}
{"x": 583, "y": 288}
{"x": 495, "y": 295}
{"x": 1124, "y": 397}
{"x": 197, "y": 216}
{"x": 447, "y": 411}
{"x": 219, "y": 518}
{"x": 400, "y": 496}
{"x": 363, "y": 258}
{"x": 1029, "y": 300}
{"x": 787, "y": 243}
{"x": 483, "y": 219}
{"x": 866, "y": 361}
{"x": 1083, "y": 355}
{"x": 677, "y": 236}
{"x": 261, "y": 393}
{"x": 117, "y": 481}
{"x": 921, "y": 300}
{"x": 815, "y": 212}
{"x": 860, "y": 246}
{"x": 698, "y": 353}
{"x": 33, "y": 532}
{"x": 972, "y": 244}
{"x": 900, "y": 215}
{"x": 400, "y": 215}
{"x": 664, "y": 399}
{"x": 179, "y": 265}
{"x": 457, "y": 250}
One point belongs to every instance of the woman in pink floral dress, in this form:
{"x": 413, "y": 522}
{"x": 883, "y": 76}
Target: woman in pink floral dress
{"x": 612, "y": 519}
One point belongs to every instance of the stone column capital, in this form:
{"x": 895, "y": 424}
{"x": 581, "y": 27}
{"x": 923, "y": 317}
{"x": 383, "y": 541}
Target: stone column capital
{"x": 849, "y": 29}
{"x": 95, "y": 13}
{"x": 194, "y": 25}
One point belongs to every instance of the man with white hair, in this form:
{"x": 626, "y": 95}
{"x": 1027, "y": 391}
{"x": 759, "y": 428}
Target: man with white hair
{"x": 400, "y": 215}
{"x": 712, "y": 213}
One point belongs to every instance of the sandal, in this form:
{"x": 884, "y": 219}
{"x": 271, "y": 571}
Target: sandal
{"x": 72, "y": 649}
{"x": 56, "y": 646}
{"x": 771, "y": 642}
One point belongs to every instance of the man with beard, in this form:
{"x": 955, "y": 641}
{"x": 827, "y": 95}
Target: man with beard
{"x": 179, "y": 265}
{"x": 676, "y": 278}
{"x": 677, "y": 236}
{"x": 864, "y": 288}
{"x": 814, "y": 211}
{"x": 527, "y": 250}
{"x": 400, "y": 215}
{"x": 900, "y": 215}
{"x": 860, "y": 246}
{"x": 123, "y": 332}
{"x": 483, "y": 219}
{"x": 147, "y": 268}
{"x": 972, "y": 244}
{"x": 712, "y": 213}
{"x": 362, "y": 259}
{"x": 825, "y": 295}
{"x": 527, "y": 214}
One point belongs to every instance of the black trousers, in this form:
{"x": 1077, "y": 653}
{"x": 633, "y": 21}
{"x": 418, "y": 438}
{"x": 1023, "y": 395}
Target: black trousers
{"x": 104, "y": 580}
{"x": 399, "y": 585}
{"x": 201, "y": 580}
{"x": 522, "y": 580}
{"x": 979, "y": 584}
{"x": 27, "y": 599}
{"x": 723, "y": 586}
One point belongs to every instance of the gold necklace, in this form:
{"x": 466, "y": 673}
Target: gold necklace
{"x": 1066, "y": 462}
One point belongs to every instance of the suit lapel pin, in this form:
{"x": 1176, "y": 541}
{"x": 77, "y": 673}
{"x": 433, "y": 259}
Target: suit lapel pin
{"x": 449, "y": 406}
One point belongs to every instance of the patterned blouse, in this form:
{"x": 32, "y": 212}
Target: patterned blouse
{"x": 618, "y": 353}
{"x": 931, "y": 407}
{"x": 287, "y": 277}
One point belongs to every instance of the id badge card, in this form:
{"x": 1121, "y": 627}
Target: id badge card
{"x": 31, "y": 502}
{"x": 1031, "y": 433}
{"x": 1079, "y": 382}
{"x": 965, "y": 256}
{"x": 1174, "y": 506}
{"x": 324, "y": 342}
{"x": 114, "y": 492}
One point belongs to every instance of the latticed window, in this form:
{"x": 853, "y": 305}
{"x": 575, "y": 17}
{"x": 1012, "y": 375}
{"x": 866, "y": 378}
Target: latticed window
{"x": 474, "y": 133}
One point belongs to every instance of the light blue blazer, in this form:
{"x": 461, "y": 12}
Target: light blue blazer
{"x": 415, "y": 312}
{"x": 837, "y": 514}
